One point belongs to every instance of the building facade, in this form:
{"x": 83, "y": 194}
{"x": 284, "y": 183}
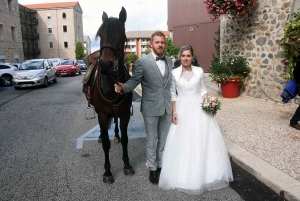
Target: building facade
{"x": 29, "y": 30}
{"x": 87, "y": 45}
{"x": 189, "y": 25}
{"x": 137, "y": 41}
{"x": 11, "y": 50}
{"x": 60, "y": 27}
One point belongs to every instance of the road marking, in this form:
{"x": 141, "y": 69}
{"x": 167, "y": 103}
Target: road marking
{"x": 136, "y": 128}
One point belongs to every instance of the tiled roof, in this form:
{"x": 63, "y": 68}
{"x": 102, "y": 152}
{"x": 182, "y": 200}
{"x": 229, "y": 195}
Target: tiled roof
{"x": 143, "y": 34}
{"x": 51, "y": 5}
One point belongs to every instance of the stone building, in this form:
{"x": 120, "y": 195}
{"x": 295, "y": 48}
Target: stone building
{"x": 11, "y": 50}
{"x": 257, "y": 37}
{"x": 87, "y": 45}
{"x": 60, "y": 28}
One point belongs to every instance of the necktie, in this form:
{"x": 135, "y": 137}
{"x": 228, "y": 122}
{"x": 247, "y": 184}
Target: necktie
{"x": 160, "y": 58}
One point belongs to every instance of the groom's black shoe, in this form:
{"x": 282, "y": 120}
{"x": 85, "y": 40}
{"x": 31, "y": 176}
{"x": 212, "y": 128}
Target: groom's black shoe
{"x": 158, "y": 170}
{"x": 153, "y": 177}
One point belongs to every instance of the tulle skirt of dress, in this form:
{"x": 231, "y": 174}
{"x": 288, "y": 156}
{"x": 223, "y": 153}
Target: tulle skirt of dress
{"x": 195, "y": 158}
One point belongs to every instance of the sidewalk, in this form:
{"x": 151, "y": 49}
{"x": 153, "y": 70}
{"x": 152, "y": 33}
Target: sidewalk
{"x": 259, "y": 139}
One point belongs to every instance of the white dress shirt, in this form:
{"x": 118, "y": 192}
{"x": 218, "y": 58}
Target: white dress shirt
{"x": 161, "y": 64}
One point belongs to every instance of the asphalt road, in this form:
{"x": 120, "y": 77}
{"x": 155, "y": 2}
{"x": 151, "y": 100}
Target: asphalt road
{"x": 39, "y": 161}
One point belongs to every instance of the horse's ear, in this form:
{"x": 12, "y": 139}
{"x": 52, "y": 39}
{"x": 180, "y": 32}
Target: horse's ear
{"x": 123, "y": 15}
{"x": 104, "y": 16}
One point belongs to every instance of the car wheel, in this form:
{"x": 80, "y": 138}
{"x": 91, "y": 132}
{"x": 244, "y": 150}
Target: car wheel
{"x": 75, "y": 73}
{"x": 17, "y": 88}
{"x": 80, "y": 72}
{"x": 55, "y": 79}
{"x": 7, "y": 80}
{"x": 46, "y": 82}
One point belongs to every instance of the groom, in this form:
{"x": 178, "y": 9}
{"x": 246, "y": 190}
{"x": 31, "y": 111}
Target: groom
{"x": 153, "y": 71}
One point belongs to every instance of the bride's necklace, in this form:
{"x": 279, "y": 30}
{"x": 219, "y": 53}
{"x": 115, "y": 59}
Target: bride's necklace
{"x": 187, "y": 75}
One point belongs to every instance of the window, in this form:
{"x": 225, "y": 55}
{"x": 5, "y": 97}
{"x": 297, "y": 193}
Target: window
{"x": 64, "y": 16}
{"x": 35, "y": 32}
{"x": 10, "y": 6}
{"x": 49, "y": 16}
{"x": 36, "y": 45}
{"x": 1, "y": 32}
{"x": 16, "y": 60}
{"x": 66, "y": 44}
{"x": 13, "y": 33}
{"x": 65, "y": 28}
{"x": 50, "y": 30}
{"x": 51, "y": 44}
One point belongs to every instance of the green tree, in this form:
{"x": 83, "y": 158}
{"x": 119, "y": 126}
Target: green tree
{"x": 171, "y": 48}
{"x": 131, "y": 57}
{"x": 148, "y": 49}
{"x": 79, "y": 51}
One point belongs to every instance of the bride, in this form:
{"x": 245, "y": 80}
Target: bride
{"x": 195, "y": 158}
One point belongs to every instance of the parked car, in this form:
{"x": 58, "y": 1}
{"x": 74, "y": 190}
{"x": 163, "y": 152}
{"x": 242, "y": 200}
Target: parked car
{"x": 7, "y": 72}
{"x": 18, "y": 65}
{"x": 35, "y": 72}
{"x": 68, "y": 67}
{"x": 82, "y": 65}
{"x": 55, "y": 61}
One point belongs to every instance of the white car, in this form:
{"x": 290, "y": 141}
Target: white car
{"x": 55, "y": 61}
{"x": 7, "y": 72}
{"x": 35, "y": 72}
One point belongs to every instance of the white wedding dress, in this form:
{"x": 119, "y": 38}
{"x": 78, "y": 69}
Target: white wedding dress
{"x": 195, "y": 158}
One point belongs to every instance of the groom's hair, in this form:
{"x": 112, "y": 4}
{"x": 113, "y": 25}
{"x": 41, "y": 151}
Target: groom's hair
{"x": 158, "y": 33}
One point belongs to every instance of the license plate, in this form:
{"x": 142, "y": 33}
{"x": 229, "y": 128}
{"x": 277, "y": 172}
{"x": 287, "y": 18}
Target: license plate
{"x": 63, "y": 73}
{"x": 26, "y": 85}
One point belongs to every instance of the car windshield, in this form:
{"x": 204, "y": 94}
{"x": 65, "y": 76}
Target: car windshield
{"x": 32, "y": 65}
{"x": 67, "y": 62}
{"x": 81, "y": 62}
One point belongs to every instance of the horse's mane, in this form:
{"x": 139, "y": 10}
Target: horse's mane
{"x": 113, "y": 27}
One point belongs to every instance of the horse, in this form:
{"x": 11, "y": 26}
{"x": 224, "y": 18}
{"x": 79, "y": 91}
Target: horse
{"x": 108, "y": 104}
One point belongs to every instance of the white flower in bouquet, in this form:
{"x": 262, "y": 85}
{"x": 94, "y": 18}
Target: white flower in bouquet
{"x": 211, "y": 105}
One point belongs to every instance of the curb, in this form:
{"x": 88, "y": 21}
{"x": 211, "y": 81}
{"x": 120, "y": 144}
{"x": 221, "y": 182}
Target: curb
{"x": 283, "y": 184}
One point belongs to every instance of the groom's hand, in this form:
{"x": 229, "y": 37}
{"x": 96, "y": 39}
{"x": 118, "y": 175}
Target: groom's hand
{"x": 119, "y": 87}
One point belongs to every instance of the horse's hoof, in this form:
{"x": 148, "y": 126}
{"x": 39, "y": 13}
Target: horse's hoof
{"x": 117, "y": 140}
{"x": 108, "y": 179}
{"x": 129, "y": 172}
{"x": 100, "y": 140}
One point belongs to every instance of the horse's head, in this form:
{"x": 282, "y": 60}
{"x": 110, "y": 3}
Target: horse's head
{"x": 112, "y": 39}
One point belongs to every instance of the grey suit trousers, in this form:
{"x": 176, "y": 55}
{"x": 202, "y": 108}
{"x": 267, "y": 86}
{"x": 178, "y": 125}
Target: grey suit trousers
{"x": 157, "y": 129}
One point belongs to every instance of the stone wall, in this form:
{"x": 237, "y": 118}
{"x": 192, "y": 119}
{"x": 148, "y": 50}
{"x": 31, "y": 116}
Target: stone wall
{"x": 257, "y": 37}
{"x": 11, "y": 51}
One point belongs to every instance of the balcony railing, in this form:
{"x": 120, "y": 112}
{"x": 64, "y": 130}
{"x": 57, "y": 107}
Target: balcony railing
{"x": 31, "y": 50}
{"x": 32, "y": 20}
{"x": 30, "y": 35}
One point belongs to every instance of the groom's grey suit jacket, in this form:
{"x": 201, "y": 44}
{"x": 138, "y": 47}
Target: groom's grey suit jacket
{"x": 156, "y": 96}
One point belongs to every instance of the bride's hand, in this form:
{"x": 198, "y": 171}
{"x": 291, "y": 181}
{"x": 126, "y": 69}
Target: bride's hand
{"x": 175, "y": 118}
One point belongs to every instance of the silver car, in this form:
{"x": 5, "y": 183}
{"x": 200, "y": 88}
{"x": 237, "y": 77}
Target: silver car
{"x": 35, "y": 72}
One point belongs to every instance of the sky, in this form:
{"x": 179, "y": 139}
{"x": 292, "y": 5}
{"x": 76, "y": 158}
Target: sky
{"x": 142, "y": 15}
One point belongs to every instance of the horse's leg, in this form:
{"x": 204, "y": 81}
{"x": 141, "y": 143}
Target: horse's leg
{"x": 124, "y": 120}
{"x": 107, "y": 176}
{"x": 117, "y": 137}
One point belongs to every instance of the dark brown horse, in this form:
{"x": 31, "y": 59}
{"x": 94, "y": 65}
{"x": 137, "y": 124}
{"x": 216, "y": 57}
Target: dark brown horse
{"x": 108, "y": 104}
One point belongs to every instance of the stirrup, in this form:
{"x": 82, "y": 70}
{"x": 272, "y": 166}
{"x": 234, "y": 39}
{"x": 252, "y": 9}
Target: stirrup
{"x": 90, "y": 113}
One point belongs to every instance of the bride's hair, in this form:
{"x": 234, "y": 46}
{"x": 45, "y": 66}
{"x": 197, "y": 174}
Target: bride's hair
{"x": 184, "y": 48}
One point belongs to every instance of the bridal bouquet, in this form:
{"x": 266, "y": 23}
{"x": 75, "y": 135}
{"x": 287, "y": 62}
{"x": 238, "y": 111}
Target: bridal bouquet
{"x": 211, "y": 105}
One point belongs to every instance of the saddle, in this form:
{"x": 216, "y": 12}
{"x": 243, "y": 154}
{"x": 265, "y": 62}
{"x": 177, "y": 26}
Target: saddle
{"x": 88, "y": 80}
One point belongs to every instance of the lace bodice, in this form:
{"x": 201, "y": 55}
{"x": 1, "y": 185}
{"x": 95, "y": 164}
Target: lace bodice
{"x": 188, "y": 83}
{"x": 187, "y": 75}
